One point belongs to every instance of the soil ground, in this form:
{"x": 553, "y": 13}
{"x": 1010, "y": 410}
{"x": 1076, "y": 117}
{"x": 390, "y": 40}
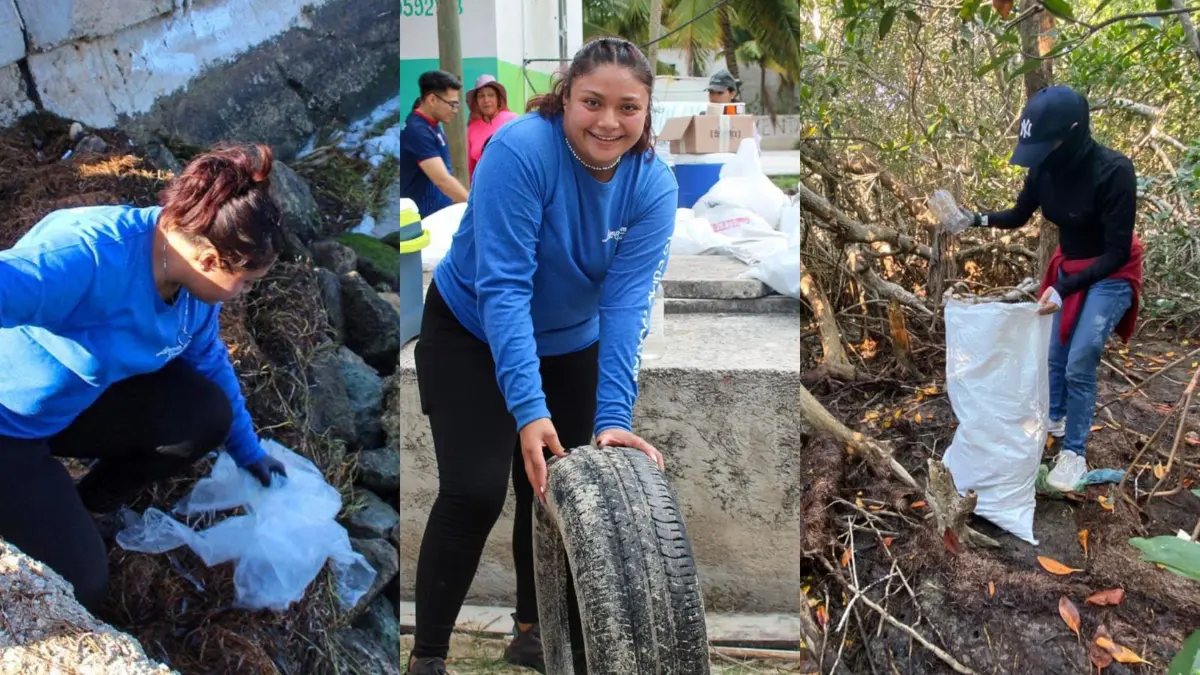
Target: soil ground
{"x": 997, "y": 611}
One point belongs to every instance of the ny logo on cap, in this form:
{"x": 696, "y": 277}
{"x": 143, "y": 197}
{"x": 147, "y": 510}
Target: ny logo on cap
{"x": 1026, "y": 128}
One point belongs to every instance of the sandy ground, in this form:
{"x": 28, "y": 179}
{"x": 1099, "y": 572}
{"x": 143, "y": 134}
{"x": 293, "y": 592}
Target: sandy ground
{"x": 477, "y": 656}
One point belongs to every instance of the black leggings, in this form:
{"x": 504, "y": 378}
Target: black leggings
{"x": 140, "y": 430}
{"x": 477, "y": 446}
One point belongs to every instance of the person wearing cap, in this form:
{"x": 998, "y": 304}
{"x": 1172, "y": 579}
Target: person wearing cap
{"x": 723, "y": 88}
{"x": 488, "y": 103}
{"x": 1093, "y": 282}
{"x": 425, "y": 174}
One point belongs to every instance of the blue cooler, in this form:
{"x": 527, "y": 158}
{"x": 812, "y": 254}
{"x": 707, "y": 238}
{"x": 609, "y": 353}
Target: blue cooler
{"x": 696, "y": 174}
{"x": 412, "y": 298}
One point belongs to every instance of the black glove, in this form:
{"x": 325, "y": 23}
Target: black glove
{"x": 265, "y": 467}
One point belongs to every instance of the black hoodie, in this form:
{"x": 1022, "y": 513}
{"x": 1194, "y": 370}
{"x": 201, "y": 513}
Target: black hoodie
{"x": 1090, "y": 192}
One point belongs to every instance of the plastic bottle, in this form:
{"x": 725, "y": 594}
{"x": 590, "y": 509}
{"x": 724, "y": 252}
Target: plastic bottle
{"x": 947, "y": 212}
{"x": 655, "y": 344}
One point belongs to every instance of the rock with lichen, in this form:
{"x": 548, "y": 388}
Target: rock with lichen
{"x": 44, "y": 630}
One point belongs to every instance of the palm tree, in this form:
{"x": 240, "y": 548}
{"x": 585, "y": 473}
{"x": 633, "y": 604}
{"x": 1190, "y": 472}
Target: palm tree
{"x": 703, "y": 27}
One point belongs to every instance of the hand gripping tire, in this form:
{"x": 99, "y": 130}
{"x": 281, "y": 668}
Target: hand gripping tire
{"x": 611, "y": 516}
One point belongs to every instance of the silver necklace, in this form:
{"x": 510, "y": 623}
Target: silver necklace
{"x": 589, "y": 166}
{"x": 183, "y": 336}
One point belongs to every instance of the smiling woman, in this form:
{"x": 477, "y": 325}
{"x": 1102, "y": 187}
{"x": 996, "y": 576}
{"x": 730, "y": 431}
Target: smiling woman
{"x": 538, "y": 313}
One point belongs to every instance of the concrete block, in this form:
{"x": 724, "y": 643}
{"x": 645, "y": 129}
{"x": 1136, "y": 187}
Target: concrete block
{"x": 709, "y": 277}
{"x": 721, "y": 405}
{"x": 14, "y": 101}
{"x": 12, "y": 39}
{"x": 51, "y": 23}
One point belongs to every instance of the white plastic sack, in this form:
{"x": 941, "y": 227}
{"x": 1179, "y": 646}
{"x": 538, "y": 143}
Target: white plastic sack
{"x": 441, "y": 225}
{"x": 997, "y": 378}
{"x": 780, "y": 271}
{"x": 694, "y": 236}
{"x": 743, "y": 186}
{"x": 284, "y": 539}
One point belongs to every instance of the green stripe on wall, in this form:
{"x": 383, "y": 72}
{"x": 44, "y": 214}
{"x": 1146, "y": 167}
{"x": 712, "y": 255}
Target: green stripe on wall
{"x": 509, "y": 75}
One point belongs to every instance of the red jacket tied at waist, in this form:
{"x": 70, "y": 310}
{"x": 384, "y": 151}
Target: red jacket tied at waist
{"x": 1131, "y": 271}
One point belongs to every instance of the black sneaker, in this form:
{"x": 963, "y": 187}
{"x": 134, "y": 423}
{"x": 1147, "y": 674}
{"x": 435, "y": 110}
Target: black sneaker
{"x": 427, "y": 665}
{"x": 525, "y": 650}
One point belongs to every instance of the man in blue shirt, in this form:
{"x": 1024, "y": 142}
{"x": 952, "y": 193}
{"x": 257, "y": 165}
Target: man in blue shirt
{"x": 425, "y": 175}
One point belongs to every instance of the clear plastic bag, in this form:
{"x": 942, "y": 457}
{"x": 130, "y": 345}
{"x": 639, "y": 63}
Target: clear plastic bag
{"x": 948, "y": 213}
{"x": 278, "y": 547}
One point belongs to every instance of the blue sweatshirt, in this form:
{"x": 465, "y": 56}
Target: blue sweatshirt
{"x": 79, "y": 312}
{"x": 548, "y": 260}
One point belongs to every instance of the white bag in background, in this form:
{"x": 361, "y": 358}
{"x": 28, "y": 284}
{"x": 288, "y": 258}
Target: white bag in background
{"x": 284, "y": 539}
{"x": 744, "y": 186}
{"x": 780, "y": 271}
{"x": 442, "y": 225}
{"x": 997, "y": 378}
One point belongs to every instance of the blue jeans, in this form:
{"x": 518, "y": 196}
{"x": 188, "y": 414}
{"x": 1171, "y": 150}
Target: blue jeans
{"x": 1073, "y": 365}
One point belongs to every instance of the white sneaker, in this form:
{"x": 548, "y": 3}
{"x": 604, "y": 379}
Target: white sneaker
{"x": 1057, "y": 428}
{"x": 1068, "y": 471}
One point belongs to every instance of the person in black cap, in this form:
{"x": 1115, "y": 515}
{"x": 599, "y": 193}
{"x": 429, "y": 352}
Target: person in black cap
{"x": 1089, "y": 191}
{"x": 722, "y": 88}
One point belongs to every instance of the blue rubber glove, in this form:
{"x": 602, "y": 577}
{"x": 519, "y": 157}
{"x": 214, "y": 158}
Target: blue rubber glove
{"x": 264, "y": 468}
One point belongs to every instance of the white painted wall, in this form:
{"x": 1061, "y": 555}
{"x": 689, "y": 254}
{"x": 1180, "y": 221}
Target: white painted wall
{"x": 506, "y": 29}
{"x": 98, "y": 79}
{"x": 477, "y": 28}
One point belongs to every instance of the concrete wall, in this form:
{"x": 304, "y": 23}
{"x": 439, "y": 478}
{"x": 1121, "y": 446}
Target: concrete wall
{"x": 203, "y": 70}
{"x": 721, "y": 405}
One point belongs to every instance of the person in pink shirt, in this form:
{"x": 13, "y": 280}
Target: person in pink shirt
{"x": 488, "y": 103}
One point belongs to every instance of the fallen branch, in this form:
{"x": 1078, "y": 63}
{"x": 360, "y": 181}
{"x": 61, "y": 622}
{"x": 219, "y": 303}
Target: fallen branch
{"x": 834, "y": 362}
{"x": 1151, "y": 378}
{"x": 909, "y": 630}
{"x": 857, "y": 263}
{"x": 998, "y": 247}
{"x": 951, "y": 509}
{"x": 912, "y": 632}
{"x": 757, "y": 654}
{"x": 853, "y": 231}
{"x": 878, "y": 454}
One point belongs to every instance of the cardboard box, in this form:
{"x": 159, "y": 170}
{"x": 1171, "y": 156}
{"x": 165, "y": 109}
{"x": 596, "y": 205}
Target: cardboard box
{"x": 705, "y": 134}
{"x": 738, "y": 108}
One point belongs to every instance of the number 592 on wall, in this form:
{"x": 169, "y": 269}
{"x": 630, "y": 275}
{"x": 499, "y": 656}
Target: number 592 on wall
{"x": 422, "y": 7}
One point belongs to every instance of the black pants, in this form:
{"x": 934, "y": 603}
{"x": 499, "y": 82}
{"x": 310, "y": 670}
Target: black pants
{"x": 141, "y": 429}
{"x": 477, "y": 446}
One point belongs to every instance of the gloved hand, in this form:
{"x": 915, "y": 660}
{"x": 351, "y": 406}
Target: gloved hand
{"x": 265, "y": 467}
{"x": 1050, "y": 302}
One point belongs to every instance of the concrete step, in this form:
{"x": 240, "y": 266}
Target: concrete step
{"x": 759, "y": 630}
{"x": 696, "y": 277}
{"x": 771, "y": 304}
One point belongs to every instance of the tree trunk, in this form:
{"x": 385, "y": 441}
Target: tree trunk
{"x": 834, "y": 362}
{"x": 728, "y": 45}
{"x": 1037, "y": 38}
{"x": 450, "y": 60}
{"x": 656, "y": 10}
{"x": 1189, "y": 28}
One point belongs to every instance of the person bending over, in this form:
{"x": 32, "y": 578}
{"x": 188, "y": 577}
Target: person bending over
{"x": 532, "y": 331}
{"x": 109, "y": 348}
{"x": 1089, "y": 192}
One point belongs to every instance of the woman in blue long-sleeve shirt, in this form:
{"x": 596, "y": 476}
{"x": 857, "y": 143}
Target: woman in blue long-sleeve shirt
{"x": 109, "y": 349}
{"x": 533, "y": 326}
